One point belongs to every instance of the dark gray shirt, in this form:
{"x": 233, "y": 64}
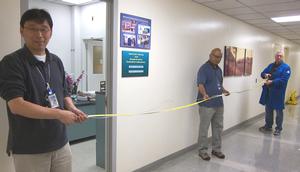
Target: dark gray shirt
{"x": 211, "y": 77}
{"x": 20, "y": 77}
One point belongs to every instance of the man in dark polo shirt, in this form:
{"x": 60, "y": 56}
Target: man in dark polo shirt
{"x": 210, "y": 83}
{"x": 32, "y": 81}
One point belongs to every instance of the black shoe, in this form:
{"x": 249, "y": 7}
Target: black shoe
{"x": 204, "y": 156}
{"x": 263, "y": 129}
{"x": 218, "y": 154}
{"x": 276, "y": 133}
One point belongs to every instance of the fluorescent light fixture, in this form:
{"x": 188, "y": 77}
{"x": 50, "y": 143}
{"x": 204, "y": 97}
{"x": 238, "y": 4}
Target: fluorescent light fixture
{"x": 286, "y": 19}
{"x": 77, "y": 1}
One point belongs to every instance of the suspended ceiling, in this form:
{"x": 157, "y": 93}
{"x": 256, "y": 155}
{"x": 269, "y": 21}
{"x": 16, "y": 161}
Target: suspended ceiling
{"x": 259, "y": 13}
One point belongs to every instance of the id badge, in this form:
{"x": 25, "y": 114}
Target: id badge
{"x": 53, "y": 101}
{"x": 52, "y": 97}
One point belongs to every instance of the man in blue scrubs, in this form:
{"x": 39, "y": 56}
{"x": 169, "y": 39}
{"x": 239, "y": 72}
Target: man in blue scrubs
{"x": 210, "y": 83}
{"x": 277, "y": 75}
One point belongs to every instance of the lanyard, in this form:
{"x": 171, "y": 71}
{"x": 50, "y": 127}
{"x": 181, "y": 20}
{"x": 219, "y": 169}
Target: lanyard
{"x": 46, "y": 81}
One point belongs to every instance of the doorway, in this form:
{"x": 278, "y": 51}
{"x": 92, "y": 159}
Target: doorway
{"x": 76, "y": 40}
{"x": 95, "y": 63}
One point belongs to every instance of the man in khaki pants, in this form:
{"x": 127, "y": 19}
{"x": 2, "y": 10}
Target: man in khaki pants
{"x": 210, "y": 83}
{"x": 32, "y": 81}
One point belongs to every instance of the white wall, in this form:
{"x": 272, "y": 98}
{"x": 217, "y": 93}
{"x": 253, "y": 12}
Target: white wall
{"x": 93, "y": 28}
{"x": 60, "y": 43}
{"x": 183, "y": 33}
{"x": 9, "y": 33}
{"x": 72, "y": 24}
{"x": 92, "y": 24}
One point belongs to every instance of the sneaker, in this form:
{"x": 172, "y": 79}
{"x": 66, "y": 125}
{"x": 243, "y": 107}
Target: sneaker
{"x": 263, "y": 129}
{"x": 204, "y": 156}
{"x": 218, "y": 154}
{"x": 276, "y": 133}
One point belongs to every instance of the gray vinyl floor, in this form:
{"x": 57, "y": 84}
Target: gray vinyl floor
{"x": 246, "y": 150}
{"x": 84, "y": 157}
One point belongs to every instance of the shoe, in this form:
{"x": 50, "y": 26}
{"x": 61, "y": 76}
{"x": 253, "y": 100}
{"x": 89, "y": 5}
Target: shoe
{"x": 263, "y": 129}
{"x": 218, "y": 154}
{"x": 276, "y": 133}
{"x": 204, "y": 156}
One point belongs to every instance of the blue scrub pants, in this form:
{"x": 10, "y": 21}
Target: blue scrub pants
{"x": 269, "y": 117}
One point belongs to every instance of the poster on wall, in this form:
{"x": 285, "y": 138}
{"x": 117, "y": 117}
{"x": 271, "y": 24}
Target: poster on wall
{"x": 135, "y": 32}
{"x": 135, "y": 63}
{"x": 237, "y": 61}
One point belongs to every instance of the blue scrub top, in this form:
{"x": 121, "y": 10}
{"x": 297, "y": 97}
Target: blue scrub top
{"x": 211, "y": 77}
{"x": 274, "y": 94}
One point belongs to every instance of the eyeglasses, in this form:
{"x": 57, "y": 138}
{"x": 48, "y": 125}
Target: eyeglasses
{"x": 37, "y": 30}
{"x": 217, "y": 56}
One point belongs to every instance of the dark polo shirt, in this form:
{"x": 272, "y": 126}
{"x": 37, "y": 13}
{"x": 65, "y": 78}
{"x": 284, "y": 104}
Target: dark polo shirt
{"x": 20, "y": 77}
{"x": 210, "y": 76}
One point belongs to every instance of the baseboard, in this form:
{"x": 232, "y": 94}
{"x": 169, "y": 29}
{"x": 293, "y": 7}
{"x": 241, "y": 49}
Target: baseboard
{"x": 161, "y": 161}
{"x": 244, "y": 124}
{"x": 165, "y": 159}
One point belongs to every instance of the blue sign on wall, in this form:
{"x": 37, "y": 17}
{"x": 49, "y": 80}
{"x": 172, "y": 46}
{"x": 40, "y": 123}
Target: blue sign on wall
{"x": 135, "y": 63}
{"x": 135, "y": 32}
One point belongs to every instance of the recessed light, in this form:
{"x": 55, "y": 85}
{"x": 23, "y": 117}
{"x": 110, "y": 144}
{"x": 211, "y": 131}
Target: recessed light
{"x": 286, "y": 19}
{"x": 77, "y": 1}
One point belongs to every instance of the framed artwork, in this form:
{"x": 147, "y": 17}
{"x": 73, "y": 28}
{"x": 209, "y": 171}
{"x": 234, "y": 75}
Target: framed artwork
{"x": 229, "y": 60}
{"x": 237, "y": 61}
{"x": 240, "y": 62}
{"x": 248, "y": 62}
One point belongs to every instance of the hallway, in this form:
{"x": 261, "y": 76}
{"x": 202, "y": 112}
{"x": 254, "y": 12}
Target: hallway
{"x": 248, "y": 150}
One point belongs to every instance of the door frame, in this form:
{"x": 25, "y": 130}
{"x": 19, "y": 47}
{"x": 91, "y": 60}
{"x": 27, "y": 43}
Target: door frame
{"x": 110, "y": 123}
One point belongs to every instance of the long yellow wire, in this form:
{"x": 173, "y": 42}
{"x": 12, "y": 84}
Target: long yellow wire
{"x": 170, "y": 109}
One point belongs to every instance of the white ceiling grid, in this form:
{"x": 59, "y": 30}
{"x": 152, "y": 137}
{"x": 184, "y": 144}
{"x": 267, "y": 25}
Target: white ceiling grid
{"x": 259, "y": 13}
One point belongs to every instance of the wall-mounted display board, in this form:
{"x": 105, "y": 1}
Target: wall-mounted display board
{"x": 135, "y": 32}
{"x": 135, "y": 63}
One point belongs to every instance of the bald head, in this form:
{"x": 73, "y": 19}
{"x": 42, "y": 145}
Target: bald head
{"x": 215, "y": 56}
{"x": 278, "y": 57}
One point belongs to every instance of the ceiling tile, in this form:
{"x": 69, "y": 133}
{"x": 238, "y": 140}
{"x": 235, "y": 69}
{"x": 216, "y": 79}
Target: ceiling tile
{"x": 250, "y": 16}
{"x": 290, "y": 23}
{"x": 259, "y": 21}
{"x": 270, "y": 25}
{"x": 297, "y": 41}
{"x": 293, "y": 27}
{"x": 282, "y": 13}
{"x": 282, "y": 32}
{"x": 201, "y": 1}
{"x": 279, "y": 29}
{"x": 262, "y": 2}
{"x": 237, "y": 11}
{"x": 225, "y": 4}
{"x": 278, "y": 7}
{"x": 290, "y": 36}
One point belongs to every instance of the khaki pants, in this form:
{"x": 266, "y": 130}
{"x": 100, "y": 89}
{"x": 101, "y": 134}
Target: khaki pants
{"x": 56, "y": 161}
{"x": 213, "y": 116}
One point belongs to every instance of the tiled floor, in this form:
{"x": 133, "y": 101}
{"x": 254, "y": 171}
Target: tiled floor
{"x": 84, "y": 157}
{"x": 247, "y": 150}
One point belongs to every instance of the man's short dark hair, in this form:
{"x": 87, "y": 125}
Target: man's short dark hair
{"x": 36, "y": 15}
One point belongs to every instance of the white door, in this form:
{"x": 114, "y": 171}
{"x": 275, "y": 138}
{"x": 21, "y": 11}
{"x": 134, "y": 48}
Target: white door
{"x": 95, "y": 64}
